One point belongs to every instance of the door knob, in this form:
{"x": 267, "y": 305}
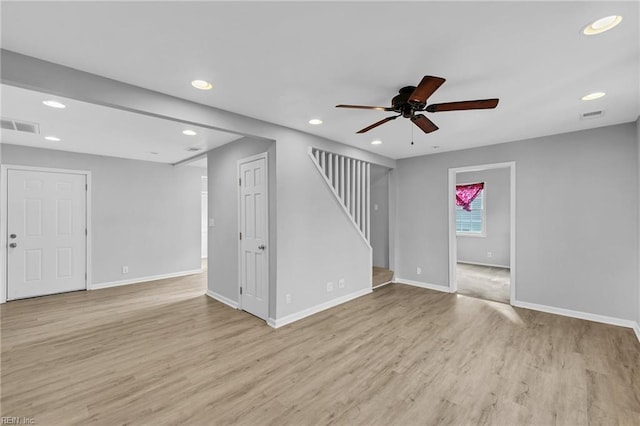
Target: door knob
{"x": 262, "y": 247}
{"x": 13, "y": 245}
{"x": 12, "y": 236}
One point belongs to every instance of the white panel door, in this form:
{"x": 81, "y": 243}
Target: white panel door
{"x": 46, "y": 223}
{"x": 254, "y": 282}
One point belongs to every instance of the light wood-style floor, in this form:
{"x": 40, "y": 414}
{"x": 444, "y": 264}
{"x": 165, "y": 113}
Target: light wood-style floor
{"x": 484, "y": 282}
{"x": 164, "y": 353}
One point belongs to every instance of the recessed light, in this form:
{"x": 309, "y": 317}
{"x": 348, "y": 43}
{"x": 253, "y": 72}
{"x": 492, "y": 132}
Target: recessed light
{"x": 52, "y": 138}
{"x": 376, "y": 142}
{"x": 592, "y": 96}
{"x": 601, "y": 25}
{"x": 315, "y": 121}
{"x": 201, "y": 84}
{"x": 189, "y": 132}
{"x": 54, "y": 104}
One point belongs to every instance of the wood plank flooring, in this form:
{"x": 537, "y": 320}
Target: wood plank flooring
{"x": 484, "y": 282}
{"x": 163, "y": 353}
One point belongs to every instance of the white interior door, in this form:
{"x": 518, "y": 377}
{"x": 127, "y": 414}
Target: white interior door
{"x": 254, "y": 282}
{"x": 46, "y": 224}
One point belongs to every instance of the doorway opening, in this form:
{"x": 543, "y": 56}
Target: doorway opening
{"x": 379, "y": 229}
{"x": 482, "y": 231}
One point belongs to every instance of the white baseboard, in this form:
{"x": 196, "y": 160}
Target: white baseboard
{"x": 636, "y": 328}
{"x": 383, "y": 284}
{"x": 577, "y": 314}
{"x": 276, "y": 323}
{"x": 483, "y": 264}
{"x": 222, "y": 299}
{"x": 143, "y": 279}
{"x": 423, "y": 285}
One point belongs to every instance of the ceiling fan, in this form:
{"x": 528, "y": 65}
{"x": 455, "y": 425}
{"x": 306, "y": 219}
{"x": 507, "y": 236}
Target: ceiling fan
{"x": 413, "y": 99}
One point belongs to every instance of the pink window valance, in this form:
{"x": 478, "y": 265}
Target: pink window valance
{"x": 465, "y": 194}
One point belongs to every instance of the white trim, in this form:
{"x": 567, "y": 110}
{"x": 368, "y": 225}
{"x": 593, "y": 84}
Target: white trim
{"x": 492, "y": 265}
{"x": 453, "y": 244}
{"x": 420, "y": 284}
{"x": 276, "y": 323}
{"x": 220, "y": 298}
{"x": 4, "y": 190}
{"x": 636, "y": 328}
{"x": 576, "y": 314}
{"x": 138, "y": 280}
{"x": 265, "y": 156}
{"x": 381, "y": 285}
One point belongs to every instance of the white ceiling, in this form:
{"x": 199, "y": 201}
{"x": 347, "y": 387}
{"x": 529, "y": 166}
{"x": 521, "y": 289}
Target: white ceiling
{"x": 99, "y": 130}
{"x": 288, "y": 62}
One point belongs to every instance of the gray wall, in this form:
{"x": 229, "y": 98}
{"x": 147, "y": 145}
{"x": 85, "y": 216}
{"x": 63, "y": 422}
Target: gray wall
{"x": 145, "y": 215}
{"x": 223, "y": 209}
{"x": 638, "y": 148}
{"x": 576, "y": 218}
{"x": 317, "y": 241}
{"x": 497, "y": 221}
{"x": 379, "y": 238}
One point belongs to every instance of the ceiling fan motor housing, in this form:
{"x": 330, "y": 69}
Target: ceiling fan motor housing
{"x": 400, "y": 103}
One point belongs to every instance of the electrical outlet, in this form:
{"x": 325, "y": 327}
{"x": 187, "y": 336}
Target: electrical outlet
{"x": 288, "y": 298}
{"x": 329, "y": 286}
{"x": 489, "y": 254}
{"x": 341, "y": 283}
{"x": 418, "y": 270}
{"x": 125, "y": 269}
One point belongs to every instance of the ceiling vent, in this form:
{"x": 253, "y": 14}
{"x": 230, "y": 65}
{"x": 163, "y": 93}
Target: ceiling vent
{"x": 592, "y": 114}
{"x": 20, "y": 126}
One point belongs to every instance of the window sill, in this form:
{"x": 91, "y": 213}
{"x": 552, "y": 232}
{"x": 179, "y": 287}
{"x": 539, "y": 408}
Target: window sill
{"x": 463, "y": 234}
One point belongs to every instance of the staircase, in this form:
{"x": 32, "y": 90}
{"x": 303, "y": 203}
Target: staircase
{"x": 349, "y": 179}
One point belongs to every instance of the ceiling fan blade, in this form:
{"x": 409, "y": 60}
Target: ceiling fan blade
{"x": 457, "y": 106}
{"x": 376, "y": 124}
{"x": 427, "y": 86}
{"x": 378, "y": 108}
{"x": 424, "y": 123}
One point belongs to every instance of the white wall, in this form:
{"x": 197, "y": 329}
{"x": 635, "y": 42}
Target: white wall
{"x": 576, "y": 218}
{"x": 145, "y": 215}
{"x": 497, "y": 222}
{"x": 379, "y": 237}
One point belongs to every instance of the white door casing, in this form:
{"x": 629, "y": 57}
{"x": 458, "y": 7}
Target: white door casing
{"x": 46, "y": 233}
{"x": 253, "y": 235}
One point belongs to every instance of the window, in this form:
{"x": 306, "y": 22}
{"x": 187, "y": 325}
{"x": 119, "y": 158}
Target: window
{"x": 471, "y": 223}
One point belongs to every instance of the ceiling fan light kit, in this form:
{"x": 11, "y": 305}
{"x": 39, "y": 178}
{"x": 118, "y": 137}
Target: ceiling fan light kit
{"x": 413, "y": 99}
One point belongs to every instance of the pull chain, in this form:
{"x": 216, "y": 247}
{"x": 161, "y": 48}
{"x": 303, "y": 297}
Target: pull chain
{"x": 411, "y": 133}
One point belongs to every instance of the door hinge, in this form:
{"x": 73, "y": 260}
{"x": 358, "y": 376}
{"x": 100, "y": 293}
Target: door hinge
{"x": 239, "y": 181}
{"x": 86, "y": 232}
{"x": 240, "y": 291}
{"x": 241, "y": 235}
{"x": 86, "y": 186}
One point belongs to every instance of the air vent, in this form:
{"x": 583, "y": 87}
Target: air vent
{"x": 20, "y": 126}
{"x": 193, "y": 149}
{"x": 592, "y": 114}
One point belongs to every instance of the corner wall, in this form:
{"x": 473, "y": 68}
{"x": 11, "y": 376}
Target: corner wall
{"x": 145, "y": 215}
{"x": 576, "y": 218}
{"x": 223, "y": 209}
